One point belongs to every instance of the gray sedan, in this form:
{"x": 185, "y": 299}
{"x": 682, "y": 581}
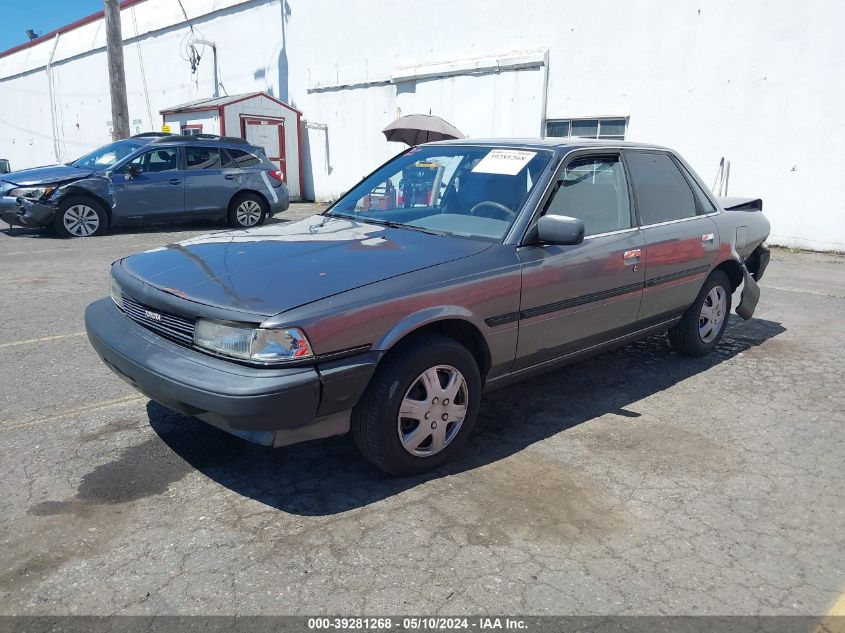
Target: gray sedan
{"x": 454, "y": 268}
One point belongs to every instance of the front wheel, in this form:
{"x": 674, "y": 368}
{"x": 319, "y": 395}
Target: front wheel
{"x": 79, "y": 216}
{"x": 419, "y": 407}
{"x": 703, "y": 324}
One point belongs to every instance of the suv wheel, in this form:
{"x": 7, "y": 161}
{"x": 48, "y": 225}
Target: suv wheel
{"x": 419, "y": 406}
{"x": 247, "y": 210}
{"x": 79, "y": 216}
{"x": 703, "y": 324}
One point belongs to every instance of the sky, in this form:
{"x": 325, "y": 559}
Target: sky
{"x": 42, "y": 16}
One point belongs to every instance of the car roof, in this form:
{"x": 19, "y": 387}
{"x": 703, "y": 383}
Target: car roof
{"x": 160, "y": 138}
{"x": 551, "y": 142}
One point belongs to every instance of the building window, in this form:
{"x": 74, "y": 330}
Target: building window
{"x": 605, "y": 127}
{"x": 191, "y": 130}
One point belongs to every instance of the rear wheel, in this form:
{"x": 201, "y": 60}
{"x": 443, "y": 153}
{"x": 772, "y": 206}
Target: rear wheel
{"x": 247, "y": 210}
{"x": 79, "y": 216}
{"x": 419, "y": 407}
{"x": 703, "y": 324}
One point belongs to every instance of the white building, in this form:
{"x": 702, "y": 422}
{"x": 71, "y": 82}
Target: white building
{"x": 757, "y": 82}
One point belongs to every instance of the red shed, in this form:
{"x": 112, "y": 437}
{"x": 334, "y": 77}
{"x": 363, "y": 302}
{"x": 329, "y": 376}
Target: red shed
{"x": 257, "y": 117}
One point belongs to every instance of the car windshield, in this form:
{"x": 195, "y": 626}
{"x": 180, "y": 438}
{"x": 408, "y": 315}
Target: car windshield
{"x": 107, "y": 155}
{"x": 473, "y": 192}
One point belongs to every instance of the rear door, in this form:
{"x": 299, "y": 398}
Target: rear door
{"x": 210, "y": 180}
{"x": 574, "y": 297}
{"x": 157, "y": 192}
{"x": 681, "y": 241}
{"x": 268, "y": 134}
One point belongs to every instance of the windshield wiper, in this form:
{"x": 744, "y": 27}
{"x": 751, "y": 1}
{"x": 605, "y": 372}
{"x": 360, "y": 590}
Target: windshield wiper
{"x": 389, "y": 223}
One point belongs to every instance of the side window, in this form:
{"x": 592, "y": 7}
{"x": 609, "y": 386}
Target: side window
{"x": 203, "y": 158}
{"x": 594, "y": 190}
{"x": 157, "y": 160}
{"x": 661, "y": 190}
{"x": 703, "y": 201}
{"x": 241, "y": 158}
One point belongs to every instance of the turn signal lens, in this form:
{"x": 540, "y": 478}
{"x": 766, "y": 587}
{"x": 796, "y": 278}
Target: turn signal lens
{"x": 116, "y": 293}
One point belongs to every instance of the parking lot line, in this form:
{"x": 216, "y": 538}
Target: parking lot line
{"x": 70, "y": 249}
{"x": 83, "y": 409}
{"x": 43, "y": 339}
{"x": 834, "y": 621}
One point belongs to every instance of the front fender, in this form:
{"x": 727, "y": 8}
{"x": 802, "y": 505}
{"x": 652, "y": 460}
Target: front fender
{"x": 99, "y": 187}
{"x": 424, "y": 317}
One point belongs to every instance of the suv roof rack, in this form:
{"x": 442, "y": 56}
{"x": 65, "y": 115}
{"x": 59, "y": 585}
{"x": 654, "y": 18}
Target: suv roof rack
{"x": 150, "y": 134}
{"x": 181, "y": 138}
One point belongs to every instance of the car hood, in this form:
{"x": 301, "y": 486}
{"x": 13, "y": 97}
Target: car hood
{"x": 275, "y": 268}
{"x": 45, "y": 175}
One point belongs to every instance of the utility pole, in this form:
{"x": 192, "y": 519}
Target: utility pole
{"x": 117, "y": 76}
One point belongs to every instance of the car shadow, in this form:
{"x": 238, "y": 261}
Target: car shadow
{"x": 329, "y": 476}
{"x": 182, "y": 227}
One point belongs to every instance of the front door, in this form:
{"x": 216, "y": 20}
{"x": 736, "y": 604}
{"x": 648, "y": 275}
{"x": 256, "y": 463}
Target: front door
{"x": 270, "y": 135}
{"x": 681, "y": 242}
{"x": 578, "y": 296}
{"x": 157, "y": 191}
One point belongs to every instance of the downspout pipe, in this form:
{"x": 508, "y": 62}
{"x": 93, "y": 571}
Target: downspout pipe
{"x": 53, "y": 124}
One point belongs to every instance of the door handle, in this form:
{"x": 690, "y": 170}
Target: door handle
{"x": 175, "y": 181}
{"x": 632, "y": 257}
{"x": 707, "y": 237}
{"x": 229, "y": 176}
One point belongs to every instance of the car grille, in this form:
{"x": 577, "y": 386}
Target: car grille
{"x": 174, "y": 328}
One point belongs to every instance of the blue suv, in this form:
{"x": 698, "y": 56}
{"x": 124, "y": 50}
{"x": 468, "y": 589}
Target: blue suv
{"x": 149, "y": 178}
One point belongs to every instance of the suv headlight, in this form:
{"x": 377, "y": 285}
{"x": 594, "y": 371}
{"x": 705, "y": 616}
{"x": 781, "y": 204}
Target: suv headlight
{"x": 116, "y": 293}
{"x": 253, "y": 344}
{"x": 31, "y": 193}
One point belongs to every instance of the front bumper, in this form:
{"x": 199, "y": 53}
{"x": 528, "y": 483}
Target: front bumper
{"x": 25, "y": 212}
{"x": 273, "y": 407}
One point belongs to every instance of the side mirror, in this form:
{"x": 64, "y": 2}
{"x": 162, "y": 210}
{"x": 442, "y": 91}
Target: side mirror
{"x": 133, "y": 170}
{"x": 560, "y": 229}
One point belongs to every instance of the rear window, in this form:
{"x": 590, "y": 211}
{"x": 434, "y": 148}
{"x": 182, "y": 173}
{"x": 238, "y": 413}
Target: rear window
{"x": 661, "y": 191}
{"x": 203, "y": 158}
{"x": 240, "y": 158}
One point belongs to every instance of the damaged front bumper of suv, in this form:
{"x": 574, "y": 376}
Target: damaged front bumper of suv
{"x": 25, "y": 212}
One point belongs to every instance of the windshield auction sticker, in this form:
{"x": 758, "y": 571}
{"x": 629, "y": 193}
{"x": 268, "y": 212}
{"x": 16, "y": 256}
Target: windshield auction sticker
{"x": 503, "y": 161}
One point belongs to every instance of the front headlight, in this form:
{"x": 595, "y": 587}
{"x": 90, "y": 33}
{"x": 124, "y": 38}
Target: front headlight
{"x": 31, "y": 193}
{"x": 252, "y": 344}
{"x": 116, "y": 293}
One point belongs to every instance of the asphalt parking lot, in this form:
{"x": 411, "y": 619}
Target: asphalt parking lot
{"x": 638, "y": 482}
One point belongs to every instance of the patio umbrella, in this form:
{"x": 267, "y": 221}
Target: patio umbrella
{"x": 414, "y": 129}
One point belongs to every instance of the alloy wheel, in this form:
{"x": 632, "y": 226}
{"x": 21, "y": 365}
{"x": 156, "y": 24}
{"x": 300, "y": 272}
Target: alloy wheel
{"x": 432, "y": 411}
{"x": 248, "y": 213}
{"x": 81, "y": 220}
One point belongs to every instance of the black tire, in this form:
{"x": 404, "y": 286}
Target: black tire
{"x": 246, "y": 198}
{"x": 375, "y": 419}
{"x": 76, "y": 205}
{"x": 685, "y": 336}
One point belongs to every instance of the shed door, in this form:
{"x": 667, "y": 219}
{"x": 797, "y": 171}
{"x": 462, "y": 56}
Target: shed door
{"x": 270, "y": 134}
